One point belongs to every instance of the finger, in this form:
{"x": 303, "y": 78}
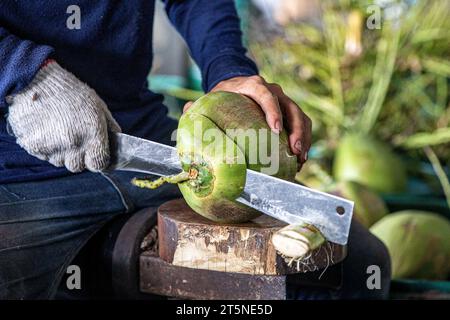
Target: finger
{"x": 268, "y": 102}
{"x": 299, "y": 129}
{"x": 74, "y": 160}
{"x": 97, "y": 155}
{"x": 187, "y": 106}
{"x": 57, "y": 159}
{"x": 293, "y": 118}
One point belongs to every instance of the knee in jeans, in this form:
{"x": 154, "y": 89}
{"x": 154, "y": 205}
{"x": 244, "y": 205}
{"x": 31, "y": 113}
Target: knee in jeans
{"x": 382, "y": 258}
{"x": 367, "y": 266}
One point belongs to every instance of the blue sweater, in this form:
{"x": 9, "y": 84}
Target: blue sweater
{"x": 112, "y": 52}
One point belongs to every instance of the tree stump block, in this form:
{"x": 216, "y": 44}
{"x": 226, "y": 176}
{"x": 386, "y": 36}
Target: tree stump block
{"x": 187, "y": 239}
{"x": 162, "y": 278}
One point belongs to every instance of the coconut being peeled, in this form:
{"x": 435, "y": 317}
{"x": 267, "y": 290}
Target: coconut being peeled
{"x": 219, "y": 137}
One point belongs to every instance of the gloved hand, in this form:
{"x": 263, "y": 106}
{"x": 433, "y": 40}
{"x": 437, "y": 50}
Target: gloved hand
{"x": 62, "y": 120}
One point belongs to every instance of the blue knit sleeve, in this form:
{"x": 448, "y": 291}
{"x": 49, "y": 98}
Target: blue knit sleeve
{"x": 211, "y": 29}
{"x": 19, "y": 62}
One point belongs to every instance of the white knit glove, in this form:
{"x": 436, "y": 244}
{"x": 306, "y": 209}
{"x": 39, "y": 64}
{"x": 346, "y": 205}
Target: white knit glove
{"x": 59, "y": 119}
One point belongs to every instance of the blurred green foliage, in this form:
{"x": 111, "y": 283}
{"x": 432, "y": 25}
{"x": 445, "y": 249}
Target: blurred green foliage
{"x": 392, "y": 82}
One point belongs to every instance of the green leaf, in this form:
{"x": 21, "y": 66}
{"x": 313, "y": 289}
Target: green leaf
{"x": 423, "y": 139}
{"x": 384, "y": 67}
{"x": 437, "y": 66}
{"x": 439, "y": 170}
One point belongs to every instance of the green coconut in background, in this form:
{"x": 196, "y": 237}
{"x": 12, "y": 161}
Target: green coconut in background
{"x": 418, "y": 243}
{"x": 370, "y": 162}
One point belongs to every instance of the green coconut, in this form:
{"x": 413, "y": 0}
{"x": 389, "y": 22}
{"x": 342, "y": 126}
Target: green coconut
{"x": 217, "y": 140}
{"x": 418, "y": 243}
{"x": 369, "y": 206}
{"x": 232, "y": 111}
{"x": 370, "y": 162}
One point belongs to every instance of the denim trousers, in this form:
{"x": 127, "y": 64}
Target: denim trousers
{"x": 44, "y": 224}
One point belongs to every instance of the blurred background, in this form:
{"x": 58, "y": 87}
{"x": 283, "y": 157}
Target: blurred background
{"x": 374, "y": 78}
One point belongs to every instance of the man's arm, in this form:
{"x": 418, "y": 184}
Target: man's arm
{"x": 53, "y": 115}
{"x": 212, "y": 31}
{"x": 20, "y": 60}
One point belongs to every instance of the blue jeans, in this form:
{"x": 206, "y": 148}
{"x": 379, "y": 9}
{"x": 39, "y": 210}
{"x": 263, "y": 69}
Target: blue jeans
{"x": 43, "y": 225}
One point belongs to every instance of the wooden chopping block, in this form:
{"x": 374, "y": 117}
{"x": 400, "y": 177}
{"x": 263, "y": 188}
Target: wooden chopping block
{"x": 189, "y": 240}
{"x": 162, "y": 278}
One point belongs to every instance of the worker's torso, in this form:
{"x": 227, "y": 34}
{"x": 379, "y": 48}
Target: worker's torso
{"x": 105, "y": 43}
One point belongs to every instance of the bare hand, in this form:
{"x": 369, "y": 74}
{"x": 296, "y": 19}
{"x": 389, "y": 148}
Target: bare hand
{"x": 277, "y": 107}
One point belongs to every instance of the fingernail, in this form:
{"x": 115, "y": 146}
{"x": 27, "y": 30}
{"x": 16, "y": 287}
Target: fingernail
{"x": 277, "y": 127}
{"x": 306, "y": 156}
{"x": 298, "y": 146}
